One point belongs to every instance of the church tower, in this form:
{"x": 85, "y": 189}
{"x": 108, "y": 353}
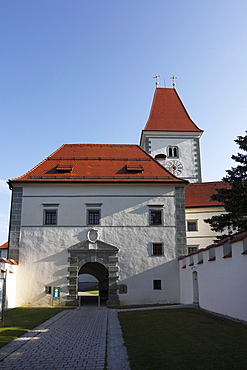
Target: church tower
{"x": 171, "y": 137}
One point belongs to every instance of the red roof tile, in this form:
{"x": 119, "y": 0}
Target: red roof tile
{"x": 198, "y": 194}
{"x": 4, "y": 246}
{"x": 168, "y": 113}
{"x": 99, "y": 163}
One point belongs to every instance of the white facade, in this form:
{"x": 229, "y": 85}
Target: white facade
{"x": 203, "y": 236}
{"x": 216, "y": 279}
{"x": 124, "y": 224}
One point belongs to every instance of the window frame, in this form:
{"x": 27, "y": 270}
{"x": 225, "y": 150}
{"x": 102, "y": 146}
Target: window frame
{"x": 174, "y": 151}
{"x": 155, "y": 210}
{"x": 98, "y": 211}
{"x": 53, "y": 212}
{"x": 190, "y": 222}
{"x": 157, "y": 245}
{"x": 195, "y": 247}
{"x": 157, "y": 284}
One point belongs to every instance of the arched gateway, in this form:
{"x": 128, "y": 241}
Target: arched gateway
{"x": 98, "y": 259}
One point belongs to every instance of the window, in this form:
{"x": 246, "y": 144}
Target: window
{"x": 160, "y": 156}
{"x": 157, "y": 249}
{"x": 48, "y": 290}
{"x": 155, "y": 217}
{"x": 50, "y": 217}
{"x": 93, "y": 217}
{"x": 172, "y": 152}
{"x": 192, "y": 249}
{"x": 157, "y": 284}
{"x": 123, "y": 289}
{"x": 191, "y": 225}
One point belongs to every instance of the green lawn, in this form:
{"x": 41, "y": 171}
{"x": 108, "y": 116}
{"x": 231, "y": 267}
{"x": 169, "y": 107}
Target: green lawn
{"x": 183, "y": 339}
{"x": 19, "y": 320}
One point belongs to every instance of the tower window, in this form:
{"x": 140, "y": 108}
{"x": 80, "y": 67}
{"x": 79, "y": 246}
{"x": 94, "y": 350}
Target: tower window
{"x": 160, "y": 156}
{"x": 172, "y": 152}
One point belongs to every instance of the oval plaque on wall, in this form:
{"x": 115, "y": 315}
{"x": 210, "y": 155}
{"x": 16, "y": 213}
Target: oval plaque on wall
{"x": 93, "y": 235}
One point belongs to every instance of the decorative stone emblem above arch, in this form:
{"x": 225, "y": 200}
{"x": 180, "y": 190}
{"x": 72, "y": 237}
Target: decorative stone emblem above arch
{"x": 92, "y": 235}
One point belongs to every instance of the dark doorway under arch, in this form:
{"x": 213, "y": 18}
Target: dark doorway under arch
{"x": 100, "y": 272}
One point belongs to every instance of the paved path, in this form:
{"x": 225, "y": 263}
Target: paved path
{"x": 73, "y": 339}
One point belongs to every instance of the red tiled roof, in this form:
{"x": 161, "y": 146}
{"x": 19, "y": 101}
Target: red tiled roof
{"x": 4, "y": 246}
{"x": 99, "y": 163}
{"x": 168, "y": 113}
{"x": 199, "y": 194}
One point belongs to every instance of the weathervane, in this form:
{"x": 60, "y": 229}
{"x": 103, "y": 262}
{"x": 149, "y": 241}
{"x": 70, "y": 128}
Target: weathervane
{"x": 156, "y": 83}
{"x": 174, "y": 83}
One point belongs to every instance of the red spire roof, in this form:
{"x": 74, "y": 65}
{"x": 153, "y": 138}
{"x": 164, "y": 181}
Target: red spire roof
{"x": 99, "y": 163}
{"x": 168, "y": 113}
{"x": 199, "y": 194}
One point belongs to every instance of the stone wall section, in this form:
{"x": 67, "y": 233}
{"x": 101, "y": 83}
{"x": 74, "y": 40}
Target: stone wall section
{"x": 180, "y": 221}
{"x": 15, "y": 223}
{"x": 198, "y": 175}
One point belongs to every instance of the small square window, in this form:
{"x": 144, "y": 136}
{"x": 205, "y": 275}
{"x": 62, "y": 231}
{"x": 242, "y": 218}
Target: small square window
{"x": 50, "y": 217}
{"x": 93, "y": 217}
{"x": 157, "y": 249}
{"x": 155, "y": 217}
{"x": 191, "y": 225}
{"x": 192, "y": 249}
{"x": 157, "y": 284}
{"x": 123, "y": 289}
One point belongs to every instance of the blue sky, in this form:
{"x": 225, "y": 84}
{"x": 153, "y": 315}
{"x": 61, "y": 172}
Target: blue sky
{"x": 82, "y": 71}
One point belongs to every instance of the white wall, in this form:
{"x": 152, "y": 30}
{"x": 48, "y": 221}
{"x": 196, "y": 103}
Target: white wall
{"x": 222, "y": 283}
{"x": 124, "y": 223}
{"x": 8, "y": 272}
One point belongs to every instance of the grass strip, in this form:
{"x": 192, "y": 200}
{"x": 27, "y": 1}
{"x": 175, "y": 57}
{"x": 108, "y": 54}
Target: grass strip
{"x": 183, "y": 339}
{"x": 18, "y": 321}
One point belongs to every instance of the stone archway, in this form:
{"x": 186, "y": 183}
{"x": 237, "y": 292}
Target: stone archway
{"x": 98, "y": 259}
{"x": 100, "y": 272}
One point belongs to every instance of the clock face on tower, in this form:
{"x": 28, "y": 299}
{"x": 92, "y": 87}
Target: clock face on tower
{"x": 175, "y": 167}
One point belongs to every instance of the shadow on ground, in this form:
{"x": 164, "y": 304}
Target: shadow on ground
{"x": 91, "y": 301}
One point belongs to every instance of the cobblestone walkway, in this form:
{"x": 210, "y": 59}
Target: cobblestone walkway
{"x": 76, "y": 340}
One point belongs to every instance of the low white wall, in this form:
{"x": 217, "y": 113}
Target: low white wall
{"x": 221, "y": 282}
{"x": 8, "y": 272}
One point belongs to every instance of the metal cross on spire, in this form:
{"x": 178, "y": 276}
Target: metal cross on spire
{"x": 174, "y": 83}
{"x": 157, "y": 82}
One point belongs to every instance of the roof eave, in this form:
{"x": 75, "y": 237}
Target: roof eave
{"x": 150, "y": 181}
